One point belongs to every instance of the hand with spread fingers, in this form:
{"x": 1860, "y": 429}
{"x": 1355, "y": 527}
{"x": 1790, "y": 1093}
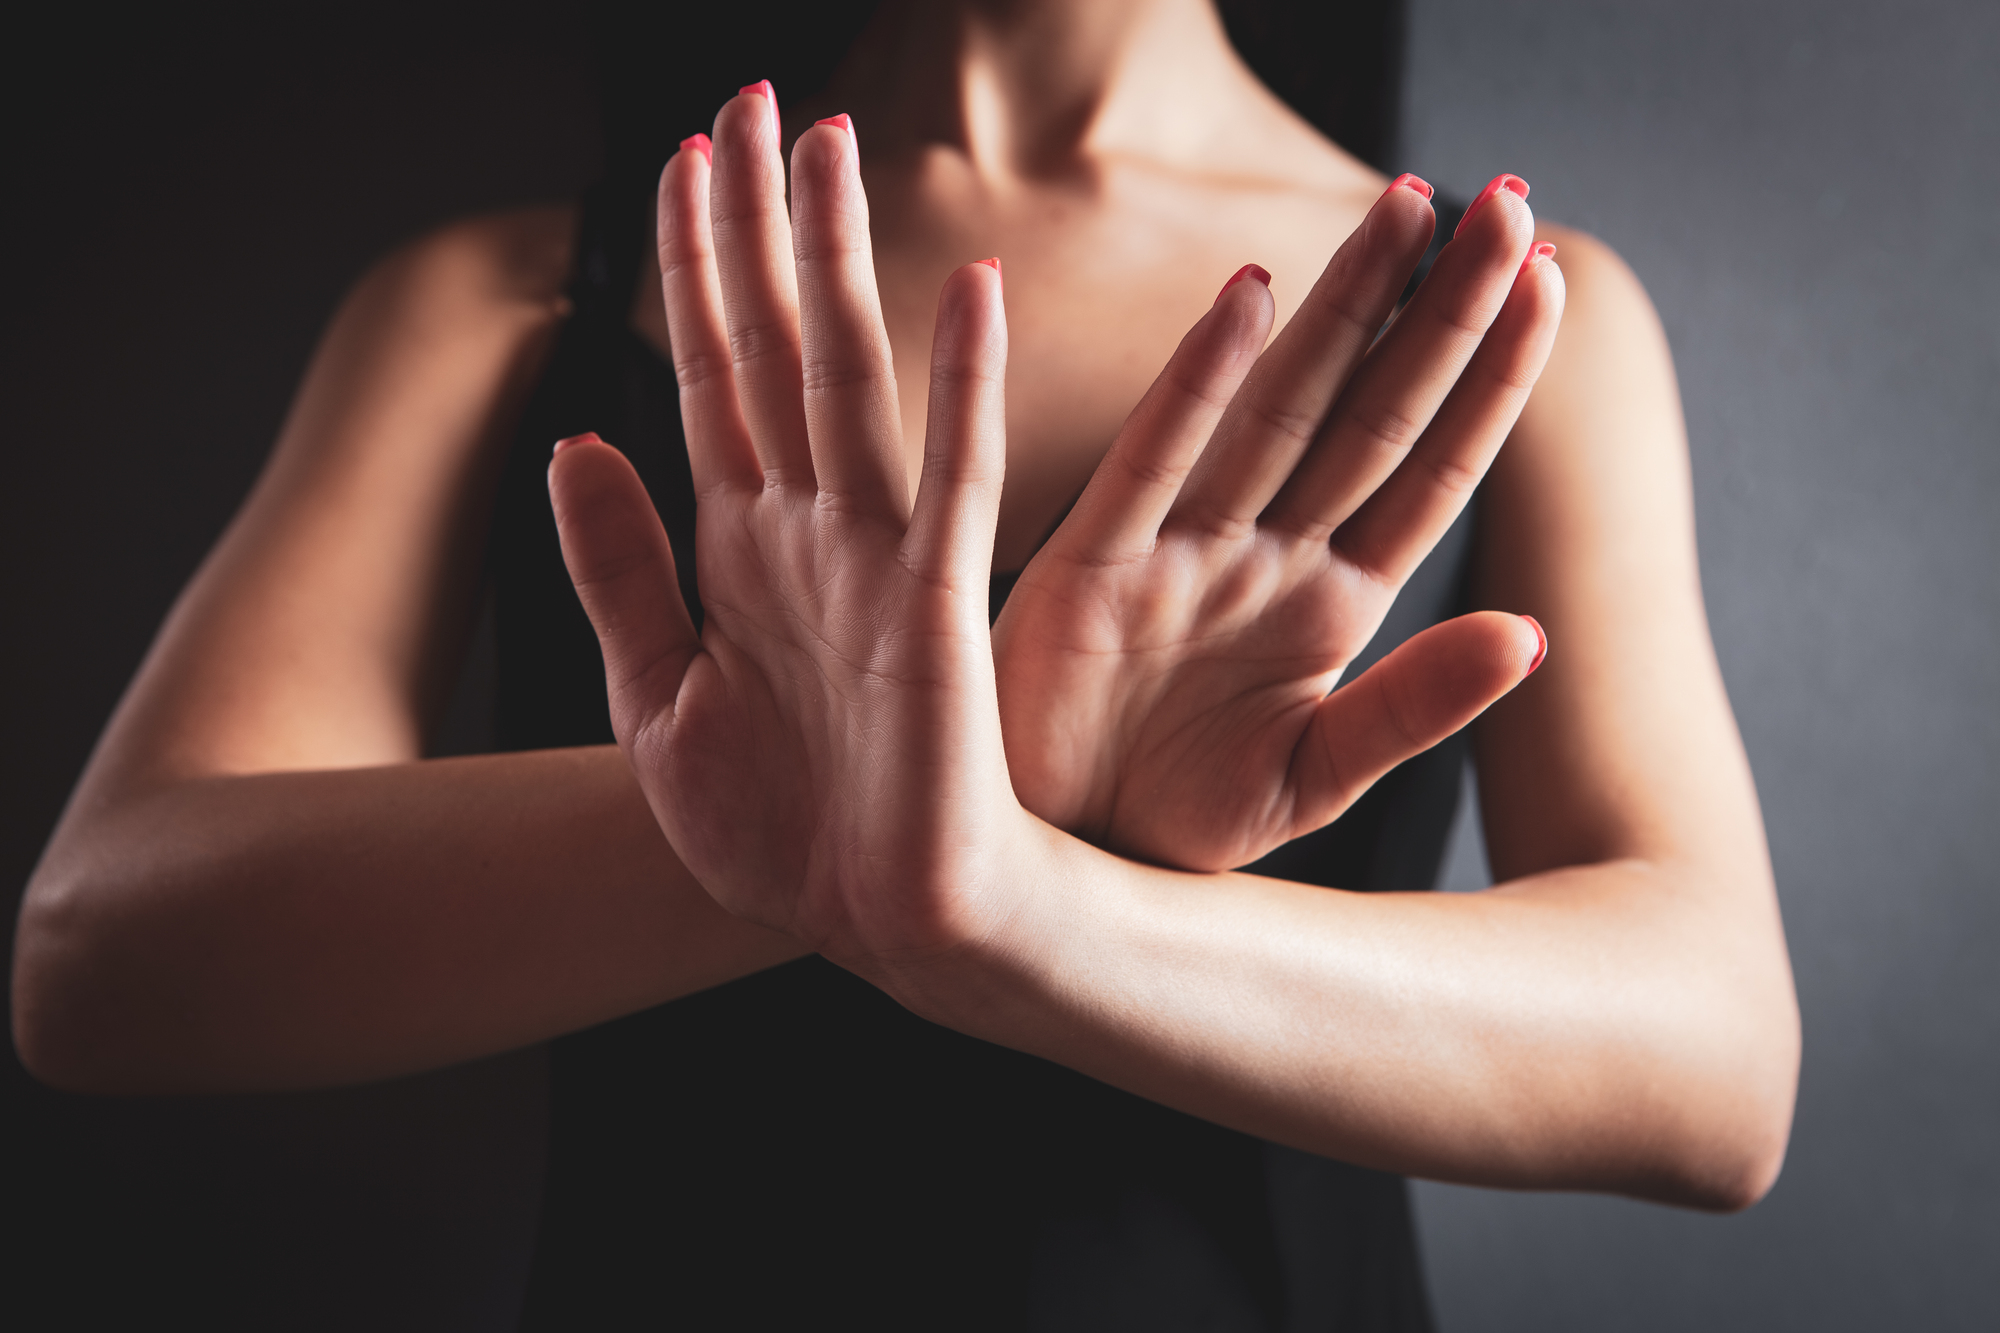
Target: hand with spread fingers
{"x": 825, "y": 755}
{"x": 1164, "y": 662}
{"x": 1163, "y": 666}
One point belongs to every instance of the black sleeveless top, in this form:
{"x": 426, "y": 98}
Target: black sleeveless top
{"x": 795, "y": 1149}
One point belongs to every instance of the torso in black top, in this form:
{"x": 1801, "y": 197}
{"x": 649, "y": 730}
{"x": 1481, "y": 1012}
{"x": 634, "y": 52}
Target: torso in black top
{"x": 795, "y": 1149}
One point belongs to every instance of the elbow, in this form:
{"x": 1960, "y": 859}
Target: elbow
{"x": 63, "y": 1034}
{"x": 43, "y": 1043}
{"x": 47, "y": 1041}
{"x": 43, "y": 1049}
{"x": 1732, "y": 1176}
{"x": 1734, "y": 1145}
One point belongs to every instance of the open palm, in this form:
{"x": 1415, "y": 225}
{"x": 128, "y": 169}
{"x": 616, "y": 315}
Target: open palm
{"x": 1165, "y": 662}
{"x": 825, "y": 754}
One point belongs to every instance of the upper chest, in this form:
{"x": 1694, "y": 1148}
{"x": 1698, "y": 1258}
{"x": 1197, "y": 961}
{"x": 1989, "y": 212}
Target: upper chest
{"x": 1101, "y": 281}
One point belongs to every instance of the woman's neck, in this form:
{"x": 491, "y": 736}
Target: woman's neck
{"x": 1044, "y": 88}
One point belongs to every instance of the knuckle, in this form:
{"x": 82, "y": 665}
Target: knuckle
{"x": 964, "y": 376}
{"x": 1214, "y": 522}
{"x": 1385, "y": 422}
{"x": 1287, "y": 420}
{"x": 608, "y": 570}
{"x": 1354, "y": 322}
{"x": 832, "y": 374}
{"x": 832, "y": 242}
{"x": 1451, "y": 475}
{"x": 756, "y": 340}
{"x": 1148, "y": 471}
{"x": 1206, "y": 387}
{"x": 695, "y": 368}
{"x": 1514, "y": 375}
{"x": 1398, "y": 711}
{"x": 1461, "y": 321}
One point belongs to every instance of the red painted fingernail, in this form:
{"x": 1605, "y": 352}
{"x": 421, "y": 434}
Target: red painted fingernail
{"x": 1541, "y": 646}
{"x": 1542, "y": 251}
{"x": 588, "y": 437}
{"x": 1493, "y": 187}
{"x": 1407, "y": 181}
{"x": 845, "y": 122}
{"x": 1256, "y": 271}
{"x": 993, "y": 263}
{"x": 762, "y": 88}
{"x": 702, "y": 144}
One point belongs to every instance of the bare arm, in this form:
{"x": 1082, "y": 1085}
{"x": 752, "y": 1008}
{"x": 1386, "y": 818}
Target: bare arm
{"x": 1618, "y": 1016}
{"x": 258, "y": 882}
{"x": 1618, "y": 1012}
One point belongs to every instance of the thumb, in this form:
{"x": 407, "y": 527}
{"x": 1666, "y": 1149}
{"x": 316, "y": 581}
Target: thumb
{"x": 1428, "y": 688}
{"x": 623, "y": 569}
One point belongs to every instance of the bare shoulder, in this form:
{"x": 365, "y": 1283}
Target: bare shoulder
{"x": 439, "y": 329}
{"x": 1610, "y": 344}
{"x": 1603, "y": 426}
{"x": 518, "y": 259}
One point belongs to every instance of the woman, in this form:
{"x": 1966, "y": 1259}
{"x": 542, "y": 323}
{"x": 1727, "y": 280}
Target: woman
{"x": 259, "y": 883}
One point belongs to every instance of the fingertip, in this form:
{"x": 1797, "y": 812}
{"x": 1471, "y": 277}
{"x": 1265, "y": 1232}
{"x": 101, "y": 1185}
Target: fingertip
{"x": 702, "y": 144}
{"x": 581, "y": 477}
{"x": 1240, "y": 320}
{"x": 1541, "y": 646}
{"x": 977, "y": 282}
{"x": 970, "y": 335}
{"x": 762, "y": 88}
{"x": 1537, "y": 253}
{"x": 737, "y": 122}
{"x": 1504, "y": 183}
{"x": 1255, "y": 273}
{"x": 1538, "y": 293}
{"x": 827, "y": 153}
{"x": 1406, "y": 181}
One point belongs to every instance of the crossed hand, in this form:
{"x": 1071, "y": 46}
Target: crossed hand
{"x": 845, "y": 752}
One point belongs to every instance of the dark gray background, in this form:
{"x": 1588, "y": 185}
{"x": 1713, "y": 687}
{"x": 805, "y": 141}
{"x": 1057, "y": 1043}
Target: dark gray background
{"x": 1806, "y": 189}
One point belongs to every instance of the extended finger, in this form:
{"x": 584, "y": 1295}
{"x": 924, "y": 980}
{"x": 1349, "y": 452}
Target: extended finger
{"x": 950, "y": 538}
{"x": 1428, "y": 688}
{"x": 1400, "y": 384}
{"x": 623, "y": 569}
{"x": 718, "y": 441}
{"x": 1398, "y": 525}
{"x": 760, "y": 298}
{"x": 1277, "y": 413}
{"x": 850, "y": 378}
{"x": 1119, "y": 514}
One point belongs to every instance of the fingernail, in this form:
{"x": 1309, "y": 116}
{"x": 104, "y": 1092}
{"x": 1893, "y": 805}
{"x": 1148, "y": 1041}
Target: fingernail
{"x": 1254, "y": 271}
{"x": 845, "y": 122}
{"x": 1542, "y": 251}
{"x": 702, "y": 144}
{"x": 588, "y": 437}
{"x": 993, "y": 263}
{"x": 1407, "y": 181}
{"x": 762, "y": 88}
{"x": 1493, "y": 187}
{"x": 1541, "y": 646}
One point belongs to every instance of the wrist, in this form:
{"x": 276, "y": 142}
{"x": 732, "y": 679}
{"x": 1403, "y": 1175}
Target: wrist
{"x": 1026, "y": 978}
{"x": 1019, "y": 907}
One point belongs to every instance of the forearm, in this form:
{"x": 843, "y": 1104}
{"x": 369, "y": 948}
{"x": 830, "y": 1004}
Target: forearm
{"x": 308, "y": 928}
{"x": 1605, "y": 1027}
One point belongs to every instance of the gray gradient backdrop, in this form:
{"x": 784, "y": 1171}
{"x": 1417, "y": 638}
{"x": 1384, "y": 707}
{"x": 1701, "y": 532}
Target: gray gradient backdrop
{"x": 1808, "y": 191}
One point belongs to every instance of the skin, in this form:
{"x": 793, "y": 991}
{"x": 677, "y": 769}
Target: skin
{"x": 258, "y": 883}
